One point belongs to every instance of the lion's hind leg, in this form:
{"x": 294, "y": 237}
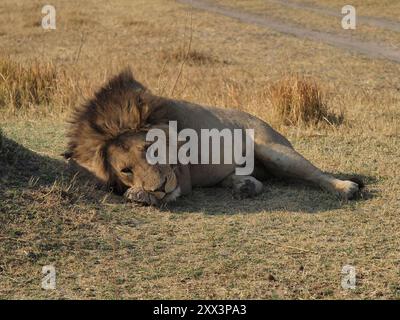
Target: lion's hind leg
{"x": 285, "y": 161}
{"x": 243, "y": 186}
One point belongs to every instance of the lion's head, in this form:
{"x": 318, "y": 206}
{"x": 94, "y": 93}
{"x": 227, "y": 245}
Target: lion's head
{"x": 108, "y": 137}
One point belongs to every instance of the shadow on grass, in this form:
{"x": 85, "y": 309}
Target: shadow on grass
{"x": 21, "y": 167}
{"x": 279, "y": 195}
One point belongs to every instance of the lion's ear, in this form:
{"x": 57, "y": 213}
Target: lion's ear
{"x": 153, "y": 109}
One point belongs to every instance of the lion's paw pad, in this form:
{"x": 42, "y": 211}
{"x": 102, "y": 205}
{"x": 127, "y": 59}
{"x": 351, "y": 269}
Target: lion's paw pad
{"x": 246, "y": 189}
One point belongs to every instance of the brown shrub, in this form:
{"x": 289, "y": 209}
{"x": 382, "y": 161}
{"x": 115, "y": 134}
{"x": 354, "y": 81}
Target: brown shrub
{"x": 193, "y": 57}
{"x": 297, "y": 100}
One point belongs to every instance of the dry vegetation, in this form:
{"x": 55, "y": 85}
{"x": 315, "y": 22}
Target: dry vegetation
{"x": 26, "y": 86}
{"x": 341, "y": 110}
{"x": 298, "y": 101}
{"x": 191, "y": 57}
{"x": 35, "y": 87}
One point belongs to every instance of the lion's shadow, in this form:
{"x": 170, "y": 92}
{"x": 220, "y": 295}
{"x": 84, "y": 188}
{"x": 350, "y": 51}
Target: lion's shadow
{"x": 20, "y": 166}
{"x": 278, "y": 195}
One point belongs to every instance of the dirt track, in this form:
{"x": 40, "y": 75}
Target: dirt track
{"x": 370, "y": 49}
{"x": 377, "y": 22}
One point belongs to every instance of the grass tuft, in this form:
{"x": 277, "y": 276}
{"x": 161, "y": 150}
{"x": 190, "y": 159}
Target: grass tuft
{"x": 39, "y": 88}
{"x": 26, "y": 85}
{"x": 193, "y": 57}
{"x": 297, "y": 100}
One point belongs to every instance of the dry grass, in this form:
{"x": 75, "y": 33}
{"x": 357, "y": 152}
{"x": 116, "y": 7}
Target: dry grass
{"x": 293, "y": 100}
{"x": 324, "y": 22}
{"x": 193, "y": 57}
{"x": 300, "y": 101}
{"x": 39, "y": 88}
{"x": 26, "y": 86}
{"x": 290, "y": 242}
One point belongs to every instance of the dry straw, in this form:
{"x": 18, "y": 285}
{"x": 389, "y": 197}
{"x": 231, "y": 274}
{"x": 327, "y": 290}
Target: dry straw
{"x": 45, "y": 88}
{"x": 37, "y": 87}
{"x": 297, "y": 100}
{"x": 26, "y": 85}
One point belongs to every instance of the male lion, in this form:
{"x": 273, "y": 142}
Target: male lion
{"x": 108, "y": 137}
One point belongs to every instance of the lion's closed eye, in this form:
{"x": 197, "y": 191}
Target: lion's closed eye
{"x": 127, "y": 171}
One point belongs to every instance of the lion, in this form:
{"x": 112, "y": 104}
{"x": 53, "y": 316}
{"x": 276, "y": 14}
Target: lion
{"x": 107, "y": 136}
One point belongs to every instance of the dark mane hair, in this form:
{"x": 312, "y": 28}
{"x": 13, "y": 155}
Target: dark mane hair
{"x": 120, "y": 106}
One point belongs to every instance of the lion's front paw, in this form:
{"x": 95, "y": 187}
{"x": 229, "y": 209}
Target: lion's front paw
{"x": 348, "y": 189}
{"x": 247, "y": 188}
{"x": 141, "y": 196}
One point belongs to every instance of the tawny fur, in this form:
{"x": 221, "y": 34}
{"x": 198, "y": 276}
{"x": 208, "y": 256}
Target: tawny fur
{"x": 122, "y": 105}
{"x": 108, "y": 137}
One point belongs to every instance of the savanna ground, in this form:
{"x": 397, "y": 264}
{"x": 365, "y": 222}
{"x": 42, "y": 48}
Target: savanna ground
{"x": 290, "y": 242}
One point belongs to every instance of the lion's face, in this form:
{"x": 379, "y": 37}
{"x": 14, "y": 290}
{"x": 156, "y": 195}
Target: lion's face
{"x": 126, "y": 158}
{"x": 108, "y": 138}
